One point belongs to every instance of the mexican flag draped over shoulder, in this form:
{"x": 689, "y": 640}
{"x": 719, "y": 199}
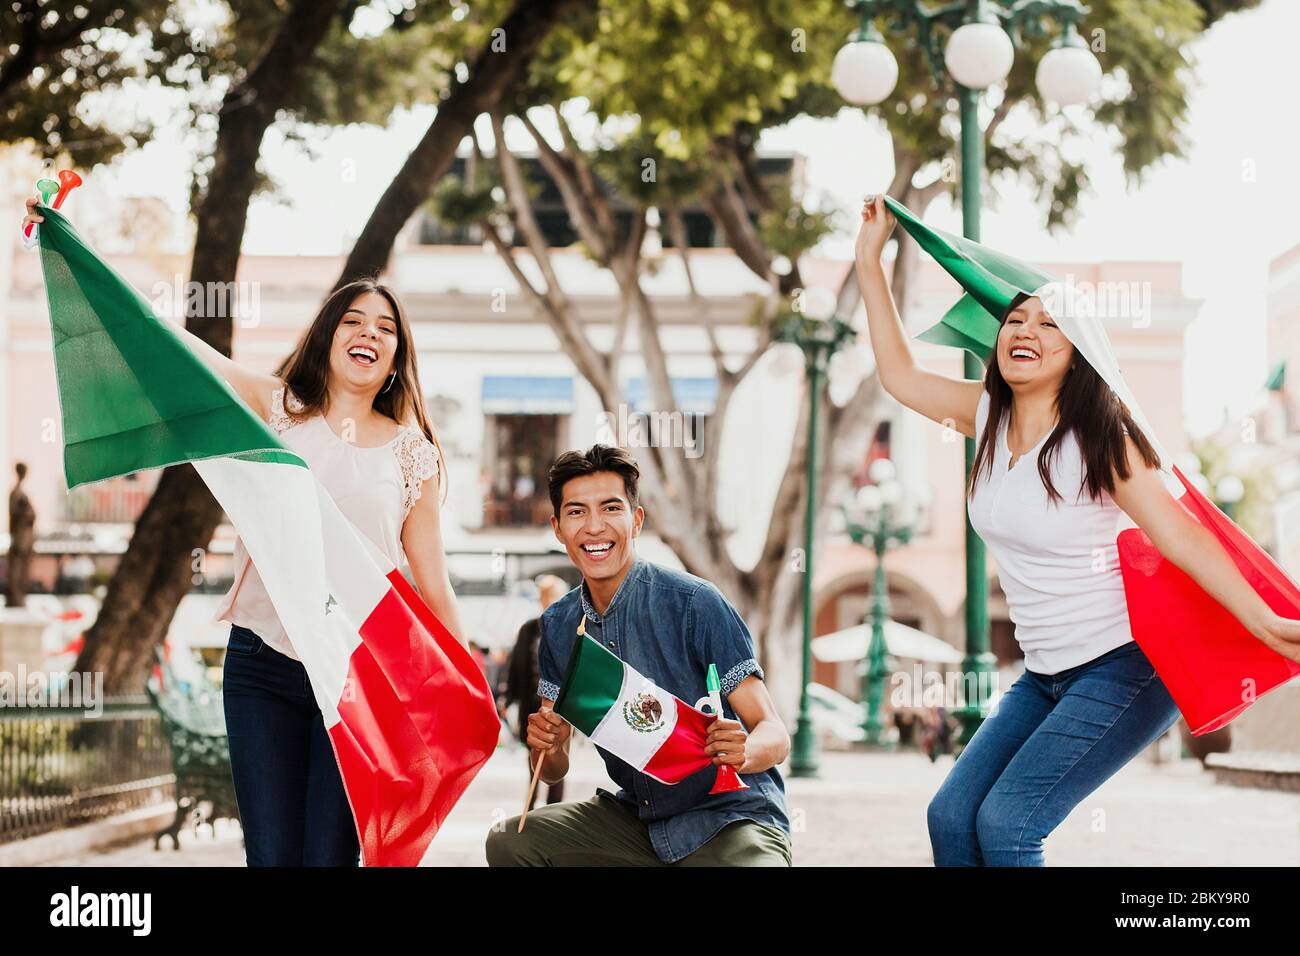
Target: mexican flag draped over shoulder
{"x": 1213, "y": 667}
{"x": 408, "y": 710}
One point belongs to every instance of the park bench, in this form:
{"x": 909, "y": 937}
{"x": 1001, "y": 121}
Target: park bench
{"x": 194, "y": 724}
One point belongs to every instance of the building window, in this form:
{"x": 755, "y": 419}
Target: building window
{"x": 682, "y": 427}
{"x": 520, "y": 451}
{"x": 684, "y": 430}
{"x": 523, "y": 417}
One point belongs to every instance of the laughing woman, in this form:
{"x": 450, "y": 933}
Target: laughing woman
{"x": 348, "y": 401}
{"x": 1057, "y": 458}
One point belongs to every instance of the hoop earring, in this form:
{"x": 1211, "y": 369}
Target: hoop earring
{"x": 390, "y": 383}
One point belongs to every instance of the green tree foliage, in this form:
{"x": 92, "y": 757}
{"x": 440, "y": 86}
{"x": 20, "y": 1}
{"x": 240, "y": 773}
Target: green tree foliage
{"x": 696, "y": 73}
{"x": 693, "y": 71}
{"x": 53, "y": 55}
{"x": 73, "y": 68}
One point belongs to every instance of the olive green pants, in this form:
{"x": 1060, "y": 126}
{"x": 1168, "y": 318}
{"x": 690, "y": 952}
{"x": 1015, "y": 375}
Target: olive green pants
{"x": 601, "y": 832}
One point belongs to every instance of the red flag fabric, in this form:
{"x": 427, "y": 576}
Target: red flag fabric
{"x": 1213, "y": 667}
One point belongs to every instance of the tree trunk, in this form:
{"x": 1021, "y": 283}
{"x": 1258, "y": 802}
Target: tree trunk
{"x": 773, "y": 621}
{"x": 144, "y": 590}
{"x": 157, "y": 568}
{"x": 494, "y": 74}
{"x": 775, "y": 613}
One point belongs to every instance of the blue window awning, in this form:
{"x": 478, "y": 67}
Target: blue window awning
{"x": 527, "y": 395}
{"x": 696, "y": 395}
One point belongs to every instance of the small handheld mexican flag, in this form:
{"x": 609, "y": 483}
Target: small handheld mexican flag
{"x": 640, "y": 723}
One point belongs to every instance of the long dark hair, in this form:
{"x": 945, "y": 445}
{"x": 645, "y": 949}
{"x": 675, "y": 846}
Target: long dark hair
{"x": 1085, "y": 405}
{"x": 306, "y": 369}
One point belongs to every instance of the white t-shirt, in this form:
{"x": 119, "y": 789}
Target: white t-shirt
{"x": 374, "y": 487}
{"x": 1057, "y": 561}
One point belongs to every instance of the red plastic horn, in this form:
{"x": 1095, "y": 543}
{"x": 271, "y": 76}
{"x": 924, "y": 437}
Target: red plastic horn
{"x": 728, "y": 780}
{"x": 68, "y": 181}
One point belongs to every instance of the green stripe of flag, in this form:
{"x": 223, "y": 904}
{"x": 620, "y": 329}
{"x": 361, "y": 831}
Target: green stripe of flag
{"x": 132, "y": 394}
{"x": 967, "y": 325}
{"x": 593, "y": 680}
{"x": 991, "y": 280}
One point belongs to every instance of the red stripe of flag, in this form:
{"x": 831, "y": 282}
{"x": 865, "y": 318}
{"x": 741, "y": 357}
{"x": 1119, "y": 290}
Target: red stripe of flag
{"x": 417, "y": 723}
{"x": 1212, "y": 666}
{"x": 682, "y": 754}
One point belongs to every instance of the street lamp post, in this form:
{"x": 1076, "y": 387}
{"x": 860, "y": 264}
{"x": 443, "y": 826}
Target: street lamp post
{"x": 871, "y": 518}
{"x": 819, "y": 335}
{"x": 1228, "y": 492}
{"x": 981, "y": 39}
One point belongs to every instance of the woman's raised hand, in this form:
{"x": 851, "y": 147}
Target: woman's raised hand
{"x": 32, "y": 214}
{"x": 877, "y": 225}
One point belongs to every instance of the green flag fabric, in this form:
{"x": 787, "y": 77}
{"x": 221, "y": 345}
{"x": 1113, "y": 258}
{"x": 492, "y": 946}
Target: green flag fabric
{"x": 1277, "y": 378}
{"x": 991, "y": 280}
{"x": 131, "y": 394}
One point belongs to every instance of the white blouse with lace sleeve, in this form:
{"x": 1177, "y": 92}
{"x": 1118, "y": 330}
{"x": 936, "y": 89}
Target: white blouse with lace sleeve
{"x": 418, "y": 459}
{"x": 375, "y": 486}
{"x": 281, "y": 420}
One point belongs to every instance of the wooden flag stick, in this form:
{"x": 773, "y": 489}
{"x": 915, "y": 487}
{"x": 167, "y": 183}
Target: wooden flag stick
{"x": 532, "y": 788}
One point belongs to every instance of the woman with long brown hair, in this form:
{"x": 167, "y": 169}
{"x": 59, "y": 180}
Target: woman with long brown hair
{"x": 348, "y": 402}
{"x": 1058, "y": 457}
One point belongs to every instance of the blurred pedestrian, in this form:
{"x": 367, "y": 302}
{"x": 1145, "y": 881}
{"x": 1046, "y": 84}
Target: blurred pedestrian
{"x": 22, "y": 540}
{"x": 522, "y": 673}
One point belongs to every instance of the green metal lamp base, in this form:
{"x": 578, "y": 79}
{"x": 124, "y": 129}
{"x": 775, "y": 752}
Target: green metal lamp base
{"x": 984, "y": 668}
{"x": 803, "y": 752}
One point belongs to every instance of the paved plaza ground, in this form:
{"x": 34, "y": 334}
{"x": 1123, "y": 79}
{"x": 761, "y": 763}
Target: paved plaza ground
{"x": 869, "y": 809}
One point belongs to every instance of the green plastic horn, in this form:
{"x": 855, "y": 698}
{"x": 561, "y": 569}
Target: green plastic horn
{"x": 47, "y": 188}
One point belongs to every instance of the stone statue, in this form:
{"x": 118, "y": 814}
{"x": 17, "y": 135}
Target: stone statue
{"x": 22, "y": 539}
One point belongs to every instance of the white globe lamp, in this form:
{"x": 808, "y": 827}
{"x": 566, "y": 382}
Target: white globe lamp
{"x": 979, "y": 55}
{"x": 864, "y": 71}
{"x": 1069, "y": 74}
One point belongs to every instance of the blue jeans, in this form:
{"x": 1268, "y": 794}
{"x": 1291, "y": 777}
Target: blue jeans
{"x": 292, "y": 805}
{"x": 1052, "y": 740}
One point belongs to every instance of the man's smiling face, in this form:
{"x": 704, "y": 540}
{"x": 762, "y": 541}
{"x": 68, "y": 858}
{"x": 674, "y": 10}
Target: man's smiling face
{"x": 597, "y": 525}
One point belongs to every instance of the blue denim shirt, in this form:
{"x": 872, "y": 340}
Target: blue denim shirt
{"x": 669, "y": 626}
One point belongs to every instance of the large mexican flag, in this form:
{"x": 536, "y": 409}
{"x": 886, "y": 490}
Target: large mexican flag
{"x": 408, "y": 710}
{"x": 630, "y": 716}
